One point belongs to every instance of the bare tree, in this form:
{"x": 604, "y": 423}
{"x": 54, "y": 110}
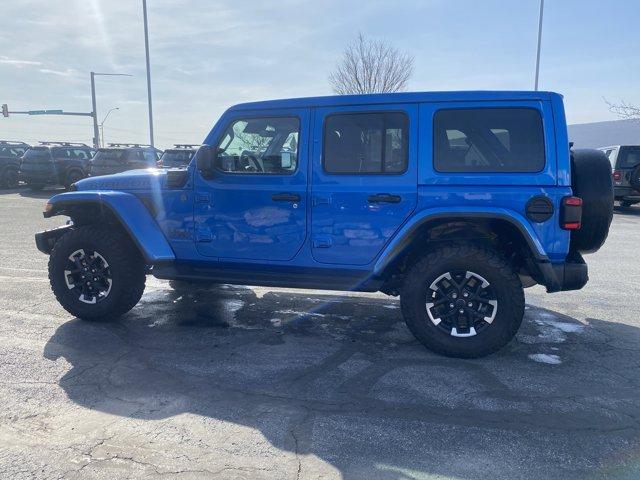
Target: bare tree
{"x": 371, "y": 66}
{"x": 624, "y": 110}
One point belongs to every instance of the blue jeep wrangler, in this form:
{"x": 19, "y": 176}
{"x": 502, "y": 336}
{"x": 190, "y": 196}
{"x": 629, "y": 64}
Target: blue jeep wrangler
{"x": 454, "y": 201}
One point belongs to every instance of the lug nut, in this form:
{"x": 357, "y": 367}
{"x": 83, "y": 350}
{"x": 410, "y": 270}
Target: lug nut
{"x": 454, "y": 295}
{"x": 451, "y": 305}
{"x": 470, "y": 304}
{"x": 465, "y": 294}
{"x": 461, "y": 311}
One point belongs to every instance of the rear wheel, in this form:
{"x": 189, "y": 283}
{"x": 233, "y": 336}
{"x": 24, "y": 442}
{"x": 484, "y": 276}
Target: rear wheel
{"x": 72, "y": 177}
{"x": 95, "y": 274}
{"x": 9, "y": 178}
{"x": 463, "y": 301}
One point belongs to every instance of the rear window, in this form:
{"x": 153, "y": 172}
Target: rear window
{"x": 176, "y": 158}
{"x": 356, "y": 143}
{"x": 488, "y": 140}
{"x": 629, "y": 157}
{"x": 11, "y": 151}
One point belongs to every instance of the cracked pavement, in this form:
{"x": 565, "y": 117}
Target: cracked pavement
{"x": 232, "y": 382}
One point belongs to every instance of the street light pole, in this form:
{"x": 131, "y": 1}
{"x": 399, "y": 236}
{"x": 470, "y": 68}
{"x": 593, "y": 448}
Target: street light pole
{"x": 146, "y": 49}
{"x": 104, "y": 120}
{"x": 94, "y": 111}
{"x": 539, "y": 43}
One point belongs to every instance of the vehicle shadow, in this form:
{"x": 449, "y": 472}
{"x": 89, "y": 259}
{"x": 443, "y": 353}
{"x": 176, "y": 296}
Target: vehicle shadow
{"x": 340, "y": 379}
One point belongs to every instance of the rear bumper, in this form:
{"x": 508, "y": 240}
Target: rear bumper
{"x": 572, "y": 274}
{"x": 626, "y": 193}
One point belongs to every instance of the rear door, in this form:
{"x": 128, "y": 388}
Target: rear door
{"x": 364, "y": 181}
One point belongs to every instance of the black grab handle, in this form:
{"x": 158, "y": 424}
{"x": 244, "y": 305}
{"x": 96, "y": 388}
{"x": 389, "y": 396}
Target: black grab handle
{"x": 285, "y": 197}
{"x": 384, "y": 198}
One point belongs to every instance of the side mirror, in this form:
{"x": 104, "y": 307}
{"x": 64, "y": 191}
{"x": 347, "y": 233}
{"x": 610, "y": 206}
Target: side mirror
{"x": 205, "y": 160}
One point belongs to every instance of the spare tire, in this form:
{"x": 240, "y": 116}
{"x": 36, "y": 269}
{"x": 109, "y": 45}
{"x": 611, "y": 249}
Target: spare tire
{"x": 634, "y": 178}
{"x": 591, "y": 180}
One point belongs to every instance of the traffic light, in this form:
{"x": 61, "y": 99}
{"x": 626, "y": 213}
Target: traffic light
{"x": 5, "y": 110}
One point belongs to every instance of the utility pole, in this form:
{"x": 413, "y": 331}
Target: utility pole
{"x": 96, "y": 134}
{"x": 539, "y": 43}
{"x": 94, "y": 112}
{"x": 146, "y": 49}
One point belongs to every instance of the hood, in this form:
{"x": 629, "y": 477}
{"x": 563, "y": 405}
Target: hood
{"x": 147, "y": 179}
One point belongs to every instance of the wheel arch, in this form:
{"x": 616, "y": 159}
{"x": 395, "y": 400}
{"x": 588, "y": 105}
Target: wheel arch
{"x": 507, "y": 231}
{"x": 115, "y": 209}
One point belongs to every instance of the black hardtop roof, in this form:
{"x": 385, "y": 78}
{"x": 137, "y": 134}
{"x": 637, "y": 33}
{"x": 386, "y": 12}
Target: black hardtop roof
{"x": 390, "y": 98}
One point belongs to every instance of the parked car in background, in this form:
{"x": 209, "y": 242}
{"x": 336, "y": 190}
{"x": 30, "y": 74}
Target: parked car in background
{"x": 120, "y": 157}
{"x": 625, "y": 166}
{"x": 10, "y": 155}
{"x": 455, "y": 201}
{"x": 179, "y": 156}
{"x": 55, "y": 163}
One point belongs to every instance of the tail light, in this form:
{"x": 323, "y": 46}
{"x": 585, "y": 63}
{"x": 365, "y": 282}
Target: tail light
{"x": 617, "y": 176}
{"x": 571, "y": 213}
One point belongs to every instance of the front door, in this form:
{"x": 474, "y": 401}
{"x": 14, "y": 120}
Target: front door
{"x": 254, "y": 208}
{"x": 364, "y": 183}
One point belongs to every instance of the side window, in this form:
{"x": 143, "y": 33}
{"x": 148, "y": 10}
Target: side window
{"x": 488, "y": 140}
{"x": 260, "y": 145}
{"x": 80, "y": 154}
{"x": 366, "y": 143}
{"x": 150, "y": 157}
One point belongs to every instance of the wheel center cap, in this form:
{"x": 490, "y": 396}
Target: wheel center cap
{"x": 461, "y": 303}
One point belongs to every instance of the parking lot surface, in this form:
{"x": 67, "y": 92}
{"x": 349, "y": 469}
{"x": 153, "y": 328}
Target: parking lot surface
{"x": 253, "y": 383}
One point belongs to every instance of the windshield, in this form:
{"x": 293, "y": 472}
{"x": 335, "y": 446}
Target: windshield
{"x": 176, "y": 158}
{"x": 629, "y": 157}
{"x": 117, "y": 154}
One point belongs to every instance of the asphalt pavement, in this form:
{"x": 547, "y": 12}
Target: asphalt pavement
{"x": 233, "y": 382}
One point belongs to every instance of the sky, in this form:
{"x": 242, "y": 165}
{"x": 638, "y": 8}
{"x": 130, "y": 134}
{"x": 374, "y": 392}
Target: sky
{"x": 209, "y": 54}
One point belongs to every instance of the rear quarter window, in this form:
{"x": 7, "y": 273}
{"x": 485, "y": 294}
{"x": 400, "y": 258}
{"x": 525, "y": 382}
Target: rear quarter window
{"x": 488, "y": 140}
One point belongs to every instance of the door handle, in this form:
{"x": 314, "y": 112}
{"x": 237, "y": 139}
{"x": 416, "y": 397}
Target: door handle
{"x": 285, "y": 197}
{"x": 384, "y": 198}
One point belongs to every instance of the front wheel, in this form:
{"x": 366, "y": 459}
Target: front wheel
{"x": 95, "y": 274}
{"x": 463, "y": 301}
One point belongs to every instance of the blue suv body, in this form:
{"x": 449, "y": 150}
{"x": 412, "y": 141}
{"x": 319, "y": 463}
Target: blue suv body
{"x": 455, "y": 201}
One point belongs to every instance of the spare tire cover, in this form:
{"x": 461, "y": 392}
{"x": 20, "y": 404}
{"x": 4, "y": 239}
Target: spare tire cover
{"x": 634, "y": 178}
{"x": 591, "y": 180}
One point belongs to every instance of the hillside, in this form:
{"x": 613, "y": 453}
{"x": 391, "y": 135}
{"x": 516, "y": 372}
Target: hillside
{"x": 602, "y": 134}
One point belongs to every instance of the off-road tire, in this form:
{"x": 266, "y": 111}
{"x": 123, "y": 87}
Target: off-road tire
{"x": 634, "y": 178}
{"x": 591, "y": 181}
{"x": 483, "y": 261}
{"x": 126, "y": 266}
{"x": 9, "y": 178}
